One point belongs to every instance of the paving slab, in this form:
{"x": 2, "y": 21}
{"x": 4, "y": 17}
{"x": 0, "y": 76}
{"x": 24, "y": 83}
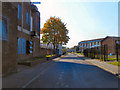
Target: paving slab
{"x": 103, "y": 65}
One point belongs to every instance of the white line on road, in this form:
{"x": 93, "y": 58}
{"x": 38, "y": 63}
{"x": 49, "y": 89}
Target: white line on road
{"x": 33, "y": 79}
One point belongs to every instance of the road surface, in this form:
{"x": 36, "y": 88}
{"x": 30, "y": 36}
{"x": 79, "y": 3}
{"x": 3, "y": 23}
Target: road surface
{"x": 72, "y": 72}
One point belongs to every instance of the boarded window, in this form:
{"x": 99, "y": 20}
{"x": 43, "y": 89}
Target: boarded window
{"x": 28, "y": 18}
{"x": 34, "y": 23}
{"x": 19, "y": 11}
{"x": 3, "y": 29}
{"x": 38, "y": 26}
{"x": 31, "y": 23}
{"x": 21, "y": 46}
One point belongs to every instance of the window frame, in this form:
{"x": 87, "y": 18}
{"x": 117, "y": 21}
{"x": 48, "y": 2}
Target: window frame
{"x": 28, "y": 18}
{"x": 21, "y": 45}
{"x": 39, "y": 27}
{"x": 19, "y": 11}
{"x": 5, "y": 20}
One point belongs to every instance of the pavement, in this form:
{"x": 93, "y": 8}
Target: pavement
{"x": 103, "y": 65}
{"x": 69, "y": 71}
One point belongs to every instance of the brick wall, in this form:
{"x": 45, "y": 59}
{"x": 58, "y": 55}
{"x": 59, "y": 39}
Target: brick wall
{"x": 110, "y": 45}
{"x": 43, "y": 51}
{"x": 35, "y": 39}
{"x": 9, "y": 48}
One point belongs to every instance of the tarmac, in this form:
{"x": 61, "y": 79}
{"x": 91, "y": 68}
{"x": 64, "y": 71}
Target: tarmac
{"x": 38, "y": 71}
{"x": 103, "y": 65}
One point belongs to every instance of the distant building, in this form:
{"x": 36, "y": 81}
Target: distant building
{"x": 110, "y": 41}
{"x": 50, "y": 47}
{"x": 70, "y": 50}
{"x": 89, "y": 44}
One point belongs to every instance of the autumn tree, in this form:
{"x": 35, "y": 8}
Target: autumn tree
{"x": 55, "y": 32}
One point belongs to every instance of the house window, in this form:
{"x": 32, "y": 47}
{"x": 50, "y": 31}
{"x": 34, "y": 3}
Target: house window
{"x": 3, "y": 29}
{"x": 38, "y": 26}
{"x": 94, "y": 43}
{"x": 29, "y": 47}
{"x": 100, "y": 43}
{"x": 19, "y": 11}
{"x": 34, "y": 23}
{"x": 28, "y": 18}
{"x": 31, "y": 23}
{"x": 21, "y": 46}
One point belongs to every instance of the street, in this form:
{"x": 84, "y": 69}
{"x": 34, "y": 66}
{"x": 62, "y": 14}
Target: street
{"x": 72, "y": 72}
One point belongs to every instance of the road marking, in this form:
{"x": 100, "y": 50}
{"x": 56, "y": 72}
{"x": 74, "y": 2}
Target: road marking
{"x": 33, "y": 79}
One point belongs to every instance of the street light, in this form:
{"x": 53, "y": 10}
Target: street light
{"x": 117, "y": 47}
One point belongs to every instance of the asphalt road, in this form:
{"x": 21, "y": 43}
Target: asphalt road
{"x": 72, "y": 72}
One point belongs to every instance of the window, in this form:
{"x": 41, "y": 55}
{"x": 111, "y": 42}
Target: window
{"x": 3, "y": 29}
{"x": 34, "y": 23}
{"x": 31, "y": 23}
{"x": 38, "y": 26}
{"x": 94, "y": 43}
{"x": 19, "y": 11}
{"x": 21, "y": 46}
{"x": 100, "y": 43}
{"x": 29, "y": 47}
{"x": 28, "y": 18}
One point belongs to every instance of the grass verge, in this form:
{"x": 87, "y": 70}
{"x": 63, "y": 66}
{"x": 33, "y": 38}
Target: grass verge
{"x": 116, "y": 63}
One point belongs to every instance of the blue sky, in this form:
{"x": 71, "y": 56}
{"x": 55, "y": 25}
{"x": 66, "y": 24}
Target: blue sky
{"x": 85, "y": 20}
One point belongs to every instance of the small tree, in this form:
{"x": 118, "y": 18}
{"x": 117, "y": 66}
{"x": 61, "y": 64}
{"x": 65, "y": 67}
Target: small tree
{"x": 55, "y": 32}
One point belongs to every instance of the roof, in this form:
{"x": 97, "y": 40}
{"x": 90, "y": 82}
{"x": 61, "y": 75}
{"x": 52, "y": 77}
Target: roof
{"x": 102, "y": 39}
{"x": 113, "y": 37}
{"x": 93, "y": 39}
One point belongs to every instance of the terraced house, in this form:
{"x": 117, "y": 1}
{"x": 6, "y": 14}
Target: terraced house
{"x": 89, "y": 44}
{"x": 109, "y": 41}
{"x": 20, "y": 33}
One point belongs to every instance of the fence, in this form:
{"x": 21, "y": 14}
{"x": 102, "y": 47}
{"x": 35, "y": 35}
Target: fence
{"x": 102, "y": 53}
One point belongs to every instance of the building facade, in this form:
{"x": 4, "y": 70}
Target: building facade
{"x": 49, "y": 48}
{"x": 71, "y": 50}
{"x": 89, "y": 44}
{"x": 20, "y": 33}
{"x": 111, "y": 42}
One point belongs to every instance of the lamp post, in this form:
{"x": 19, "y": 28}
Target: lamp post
{"x": 117, "y": 46}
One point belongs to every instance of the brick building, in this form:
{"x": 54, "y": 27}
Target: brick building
{"x": 20, "y": 33}
{"x": 109, "y": 41}
{"x": 89, "y": 44}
